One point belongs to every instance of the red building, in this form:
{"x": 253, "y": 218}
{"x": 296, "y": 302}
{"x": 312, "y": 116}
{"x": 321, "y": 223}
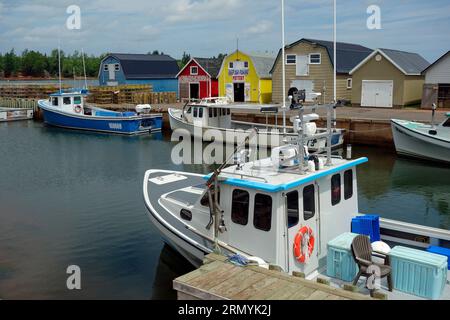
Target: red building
{"x": 199, "y": 78}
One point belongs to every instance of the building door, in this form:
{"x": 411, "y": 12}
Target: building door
{"x": 194, "y": 90}
{"x": 239, "y": 92}
{"x": 307, "y": 85}
{"x": 377, "y": 93}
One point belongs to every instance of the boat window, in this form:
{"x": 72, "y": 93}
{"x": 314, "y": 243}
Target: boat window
{"x": 292, "y": 208}
{"x": 210, "y": 112}
{"x": 309, "y": 202}
{"x": 186, "y": 214}
{"x": 335, "y": 189}
{"x": 262, "y": 219}
{"x": 200, "y": 112}
{"x": 228, "y": 111}
{"x": 205, "y": 199}
{"x": 195, "y": 112}
{"x": 55, "y": 101}
{"x": 66, "y": 100}
{"x": 189, "y": 110}
{"x": 239, "y": 207}
{"x": 447, "y": 123}
{"x": 77, "y": 100}
{"x": 215, "y": 112}
{"x": 348, "y": 184}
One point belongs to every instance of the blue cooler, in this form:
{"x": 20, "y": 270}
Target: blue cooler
{"x": 418, "y": 272}
{"x": 442, "y": 251}
{"x": 368, "y": 225}
{"x": 340, "y": 262}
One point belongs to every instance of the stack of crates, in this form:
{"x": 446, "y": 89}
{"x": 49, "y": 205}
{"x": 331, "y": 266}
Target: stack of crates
{"x": 368, "y": 225}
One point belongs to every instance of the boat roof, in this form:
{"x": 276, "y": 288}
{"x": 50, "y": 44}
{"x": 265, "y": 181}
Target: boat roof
{"x": 272, "y": 108}
{"x": 71, "y": 92}
{"x": 261, "y": 174}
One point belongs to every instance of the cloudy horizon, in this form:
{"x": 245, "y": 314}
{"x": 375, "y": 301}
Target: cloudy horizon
{"x": 209, "y": 27}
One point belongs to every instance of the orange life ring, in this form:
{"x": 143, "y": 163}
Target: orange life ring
{"x": 77, "y": 109}
{"x": 298, "y": 253}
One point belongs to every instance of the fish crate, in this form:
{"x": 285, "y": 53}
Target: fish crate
{"x": 340, "y": 262}
{"x": 442, "y": 251}
{"x": 368, "y": 225}
{"x": 418, "y": 272}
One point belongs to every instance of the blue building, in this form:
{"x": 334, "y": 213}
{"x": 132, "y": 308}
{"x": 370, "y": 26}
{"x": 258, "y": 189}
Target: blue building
{"x": 160, "y": 71}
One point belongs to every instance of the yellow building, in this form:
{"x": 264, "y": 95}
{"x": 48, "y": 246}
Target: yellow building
{"x": 246, "y": 78}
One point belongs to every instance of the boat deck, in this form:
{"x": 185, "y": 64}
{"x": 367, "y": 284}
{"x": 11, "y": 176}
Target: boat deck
{"x": 217, "y": 279}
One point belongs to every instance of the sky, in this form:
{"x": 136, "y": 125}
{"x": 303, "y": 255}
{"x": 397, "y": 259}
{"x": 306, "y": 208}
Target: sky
{"x": 205, "y": 28}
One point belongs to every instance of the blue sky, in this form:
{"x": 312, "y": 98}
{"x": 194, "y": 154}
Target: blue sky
{"x": 209, "y": 27}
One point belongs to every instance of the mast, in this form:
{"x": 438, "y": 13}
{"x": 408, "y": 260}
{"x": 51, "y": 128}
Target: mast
{"x": 283, "y": 66}
{"x": 84, "y": 69}
{"x": 335, "y": 63}
{"x": 59, "y": 67}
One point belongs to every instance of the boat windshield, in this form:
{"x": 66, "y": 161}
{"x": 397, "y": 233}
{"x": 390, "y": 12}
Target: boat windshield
{"x": 77, "y": 99}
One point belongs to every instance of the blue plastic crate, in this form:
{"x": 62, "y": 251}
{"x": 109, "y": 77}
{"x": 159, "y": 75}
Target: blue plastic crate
{"x": 368, "y": 225}
{"x": 418, "y": 272}
{"x": 442, "y": 251}
{"x": 340, "y": 262}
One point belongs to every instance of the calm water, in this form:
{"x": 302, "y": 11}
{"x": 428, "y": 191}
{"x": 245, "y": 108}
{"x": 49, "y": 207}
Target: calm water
{"x": 75, "y": 198}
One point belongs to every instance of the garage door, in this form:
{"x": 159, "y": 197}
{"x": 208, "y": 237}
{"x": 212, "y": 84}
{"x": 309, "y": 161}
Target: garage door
{"x": 377, "y": 93}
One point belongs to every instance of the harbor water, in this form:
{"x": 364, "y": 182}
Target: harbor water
{"x": 74, "y": 198}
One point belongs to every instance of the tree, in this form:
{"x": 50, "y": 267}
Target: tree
{"x": 10, "y": 63}
{"x": 185, "y": 59}
{"x": 33, "y": 64}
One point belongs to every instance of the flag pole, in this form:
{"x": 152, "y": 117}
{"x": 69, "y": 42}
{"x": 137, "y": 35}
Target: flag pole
{"x": 335, "y": 62}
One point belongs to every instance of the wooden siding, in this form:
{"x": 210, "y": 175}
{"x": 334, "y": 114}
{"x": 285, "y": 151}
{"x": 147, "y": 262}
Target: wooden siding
{"x": 440, "y": 72}
{"x": 322, "y": 75}
{"x": 413, "y": 89}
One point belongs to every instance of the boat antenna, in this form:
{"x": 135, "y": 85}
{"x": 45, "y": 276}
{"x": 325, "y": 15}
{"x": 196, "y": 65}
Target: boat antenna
{"x": 74, "y": 77}
{"x": 335, "y": 62}
{"x": 283, "y": 66}
{"x": 84, "y": 69}
{"x": 59, "y": 66}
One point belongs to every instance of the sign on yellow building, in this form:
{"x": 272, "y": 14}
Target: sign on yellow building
{"x": 246, "y": 78}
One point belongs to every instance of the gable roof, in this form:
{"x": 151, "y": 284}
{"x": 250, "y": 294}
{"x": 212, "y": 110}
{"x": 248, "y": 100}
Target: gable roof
{"x": 348, "y": 54}
{"x": 436, "y": 62}
{"x": 262, "y": 64}
{"x": 411, "y": 64}
{"x": 146, "y": 66}
{"x": 210, "y": 65}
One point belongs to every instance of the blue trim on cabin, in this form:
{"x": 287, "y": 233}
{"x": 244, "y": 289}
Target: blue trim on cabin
{"x": 286, "y": 186}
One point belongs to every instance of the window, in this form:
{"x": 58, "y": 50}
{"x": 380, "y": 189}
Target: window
{"x": 117, "y": 67}
{"x": 210, "y": 112}
{"x": 335, "y": 189}
{"x": 230, "y": 65}
{"x": 215, "y": 112}
{"x": 66, "y": 100}
{"x": 189, "y": 110}
{"x": 349, "y": 83}
{"x": 315, "y": 58}
{"x": 309, "y": 202}
{"x": 292, "y": 208}
{"x": 194, "y": 71}
{"x": 186, "y": 214}
{"x": 348, "y": 184}
{"x": 106, "y": 67}
{"x": 239, "y": 207}
{"x": 195, "y": 113}
{"x": 447, "y": 123}
{"x": 77, "y": 100}
{"x": 291, "y": 59}
{"x": 205, "y": 199}
{"x": 245, "y": 64}
{"x": 229, "y": 112}
{"x": 200, "y": 112}
{"x": 54, "y": 101}
{"x": 262, "y": 219}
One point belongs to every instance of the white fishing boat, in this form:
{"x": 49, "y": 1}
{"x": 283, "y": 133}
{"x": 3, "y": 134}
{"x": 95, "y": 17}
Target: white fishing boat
{"x": 15, "y": 114}
{"x": 286, "y": 210}
{"x": 206, "y": 118}
{"x": 425, "y": 141}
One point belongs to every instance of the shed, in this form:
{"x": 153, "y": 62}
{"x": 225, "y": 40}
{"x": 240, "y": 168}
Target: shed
{"x": 199, "y": 78}
{"x": 160, "y": 71}
{"x": 437, "y": 83}
{"x": 388, "y": 78}
{"x": 246, "y": 78}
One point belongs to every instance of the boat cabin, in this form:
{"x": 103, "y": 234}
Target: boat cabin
{"x": 70, "y": 102}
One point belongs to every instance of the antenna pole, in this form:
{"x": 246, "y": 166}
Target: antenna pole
{"x": 283, "y": 63}
{"x": 84, "y": 68}
{"x": 335, "y": 62}
{"x": 59, "y": 67}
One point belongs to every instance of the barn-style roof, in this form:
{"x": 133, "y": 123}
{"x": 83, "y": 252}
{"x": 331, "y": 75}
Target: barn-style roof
{"x": 146, "y": 66}
{"x": 210, "y": 65}
{"x": 348, "y": 54}
{"x": 411, "y": 64}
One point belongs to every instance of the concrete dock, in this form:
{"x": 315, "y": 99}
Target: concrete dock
{"x": 218, "y": 279}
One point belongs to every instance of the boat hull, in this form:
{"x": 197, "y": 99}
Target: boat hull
{"x": 127, "y": 126}
{"x": 412, "y": 143}
{"x": 272, "y": 138}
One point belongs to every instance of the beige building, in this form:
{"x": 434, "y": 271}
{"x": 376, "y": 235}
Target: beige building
{"x": 388, "y": 79}
{"x": 437, "y": 83}
{"x": 309, "y": 67}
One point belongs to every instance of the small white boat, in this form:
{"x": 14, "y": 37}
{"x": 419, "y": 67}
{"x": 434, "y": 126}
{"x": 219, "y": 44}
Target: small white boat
{"x": 214, "y": 115}
{"x": 284, "y": 210}
{"x": 15, "y": 114}
{"x": 425, "y": 141}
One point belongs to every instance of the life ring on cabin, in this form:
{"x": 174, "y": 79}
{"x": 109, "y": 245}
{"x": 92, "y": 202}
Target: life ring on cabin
{"x": 304, "y": 234}
{"x": 77, "y": 109}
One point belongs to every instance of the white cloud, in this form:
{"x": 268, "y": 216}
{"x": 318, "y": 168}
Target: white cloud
{"x": 261, "y": 27}
{"x": 190, "y": 10}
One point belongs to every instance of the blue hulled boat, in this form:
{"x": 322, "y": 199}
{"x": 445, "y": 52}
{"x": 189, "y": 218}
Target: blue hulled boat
{"x": 68, "y": 109}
